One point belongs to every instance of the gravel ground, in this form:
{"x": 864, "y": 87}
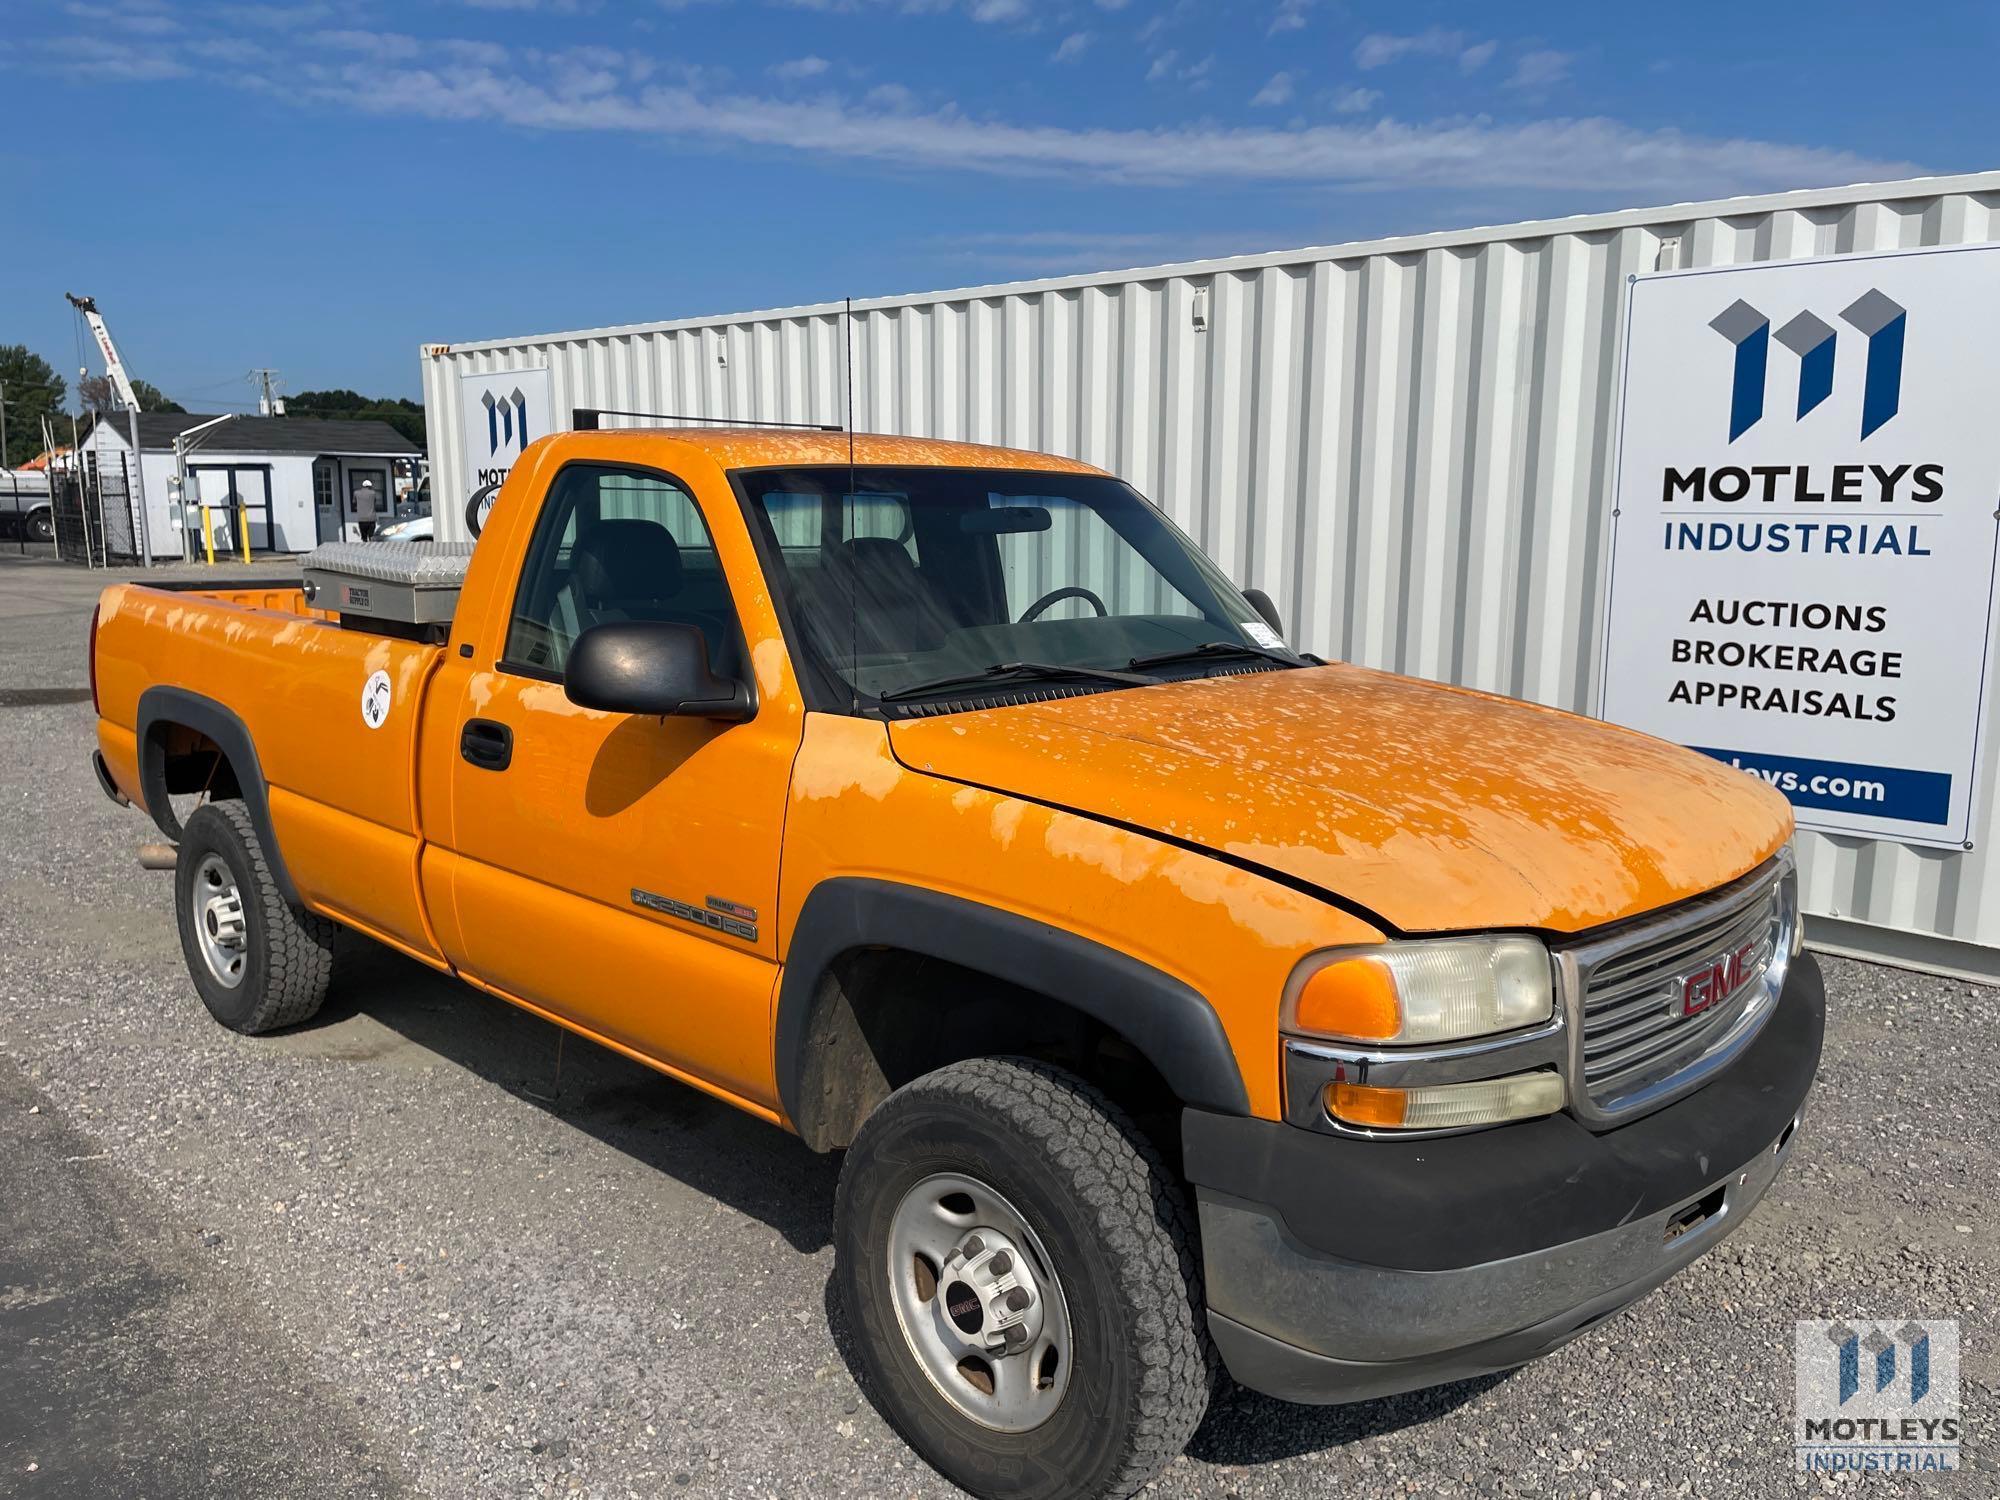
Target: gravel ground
{"x": 457, "y": 1258}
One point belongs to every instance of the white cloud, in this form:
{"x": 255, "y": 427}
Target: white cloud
{"x": 1291, "y": 16}
{"x": 125, "y": 59}
{"x": 1278, "y": 91}
{"x": 1167, "y": 65}
{"x": 1073, "y": 47}
{"x": 605, "y": 91}
{"x": 1378, "y": 49}
{"x": 276, "y": 17}
{"x": 1352, "y": 101}
{"x": 800, "y": 67}
{"x": 1540, "y": 70}
{"x": 144, "y": 17}
{"x": 1573, "y": 155}
{"x": 386, "y": 46}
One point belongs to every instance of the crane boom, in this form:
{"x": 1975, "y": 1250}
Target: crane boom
{"x": 114, "y": 367}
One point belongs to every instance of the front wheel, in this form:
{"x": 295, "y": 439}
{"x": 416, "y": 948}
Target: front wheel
{"x": 1018, "y": 1267}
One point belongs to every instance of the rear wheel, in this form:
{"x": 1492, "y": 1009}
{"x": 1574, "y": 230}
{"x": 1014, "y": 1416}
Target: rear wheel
{"x": 40, "y": 526}
{"x": 1018, "y": 1266}
{"x": 258, "y": 961}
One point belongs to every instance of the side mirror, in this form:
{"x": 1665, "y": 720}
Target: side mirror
{"x": 651, "y": 667}
{"x": 1262, "y": 602}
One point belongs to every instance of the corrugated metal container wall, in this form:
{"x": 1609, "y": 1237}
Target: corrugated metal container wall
{"x": 1407, "y": 442}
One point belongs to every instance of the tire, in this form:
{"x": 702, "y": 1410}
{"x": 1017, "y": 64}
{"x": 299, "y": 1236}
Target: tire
{"x": 39, "y": 526}
{"x": 1101, "y": 1212}
{"x": 275, "y": 971}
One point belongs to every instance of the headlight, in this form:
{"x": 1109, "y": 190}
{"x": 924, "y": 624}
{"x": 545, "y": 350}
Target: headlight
{"x": 1444, "y": 990}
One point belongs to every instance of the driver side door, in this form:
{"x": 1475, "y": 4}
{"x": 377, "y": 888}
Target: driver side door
{"x": 622, "y": 871}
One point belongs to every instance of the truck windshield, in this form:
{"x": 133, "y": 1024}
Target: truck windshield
{"x": 915, "y": 583}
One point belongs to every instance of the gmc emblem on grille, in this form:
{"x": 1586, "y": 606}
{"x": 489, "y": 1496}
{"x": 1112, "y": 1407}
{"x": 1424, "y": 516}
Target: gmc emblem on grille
{"x": 1715, "y": 980}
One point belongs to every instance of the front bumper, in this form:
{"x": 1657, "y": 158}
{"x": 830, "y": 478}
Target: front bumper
{"x": 1341, "y": 1269}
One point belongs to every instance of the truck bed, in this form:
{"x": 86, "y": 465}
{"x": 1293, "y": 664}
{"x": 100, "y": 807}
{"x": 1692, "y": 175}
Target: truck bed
{"x": 342, "y": 794}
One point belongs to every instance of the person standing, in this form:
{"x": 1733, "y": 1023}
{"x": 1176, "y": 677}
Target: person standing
{"x": 366, "y": 506}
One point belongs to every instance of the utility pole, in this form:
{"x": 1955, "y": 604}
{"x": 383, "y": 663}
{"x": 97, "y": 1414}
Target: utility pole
{"x": 269, "y": 402}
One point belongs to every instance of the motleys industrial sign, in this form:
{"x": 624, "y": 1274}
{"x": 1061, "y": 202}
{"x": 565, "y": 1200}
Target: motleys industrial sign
{"x": 1803, "y": 529}
{"x": 499, "y": 415}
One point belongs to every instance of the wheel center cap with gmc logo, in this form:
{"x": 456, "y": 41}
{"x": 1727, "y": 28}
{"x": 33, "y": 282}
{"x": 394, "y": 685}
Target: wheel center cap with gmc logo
{"x": 963, "y": 1307}
{"x": 987, "y": 1291}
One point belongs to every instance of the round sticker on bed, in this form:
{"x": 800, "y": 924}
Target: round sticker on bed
{"x": 375, "y": 697}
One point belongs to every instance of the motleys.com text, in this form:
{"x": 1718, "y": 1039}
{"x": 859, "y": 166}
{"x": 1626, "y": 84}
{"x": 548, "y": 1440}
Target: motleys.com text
{"x": 1819, "y": 784}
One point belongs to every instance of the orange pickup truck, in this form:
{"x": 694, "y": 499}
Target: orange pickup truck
{"x": 1181, "y": 1002}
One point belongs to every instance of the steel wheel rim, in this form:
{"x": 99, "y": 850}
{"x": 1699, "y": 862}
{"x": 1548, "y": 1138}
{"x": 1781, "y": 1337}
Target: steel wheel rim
{"x": 220, "y": 929}
{"x": 1004, "y": 1381}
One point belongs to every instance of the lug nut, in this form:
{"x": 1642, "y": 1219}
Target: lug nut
{"x": 1001, "y": 1263}
{"x": 973, "y": 1245}
{"x": 1018, "y": 1299}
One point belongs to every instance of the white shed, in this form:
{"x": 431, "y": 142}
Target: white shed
{"x": 295, "y": 477}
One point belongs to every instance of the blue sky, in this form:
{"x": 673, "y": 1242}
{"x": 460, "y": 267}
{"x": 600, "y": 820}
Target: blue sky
{"x": 320, "y": 187}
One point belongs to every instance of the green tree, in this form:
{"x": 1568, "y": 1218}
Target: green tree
{"x": 401, "y": 413}
{"x": 32, "y": 389}
{"x": 99, "y": 395}
{"x": 152, "y": 398}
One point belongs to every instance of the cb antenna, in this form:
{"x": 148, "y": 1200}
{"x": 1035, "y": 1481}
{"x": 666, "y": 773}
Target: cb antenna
{"x": 853, "y": 483}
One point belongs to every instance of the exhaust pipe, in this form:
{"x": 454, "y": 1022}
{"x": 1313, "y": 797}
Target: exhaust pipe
{"x": 158, "y": 856}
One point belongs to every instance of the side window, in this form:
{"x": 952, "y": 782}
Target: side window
{"x": 610, "y": 545}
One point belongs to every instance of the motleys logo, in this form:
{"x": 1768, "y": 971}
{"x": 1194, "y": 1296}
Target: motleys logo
{"x": 1877, "y": 1395}
{"x": 1879, "y": 319}
{"x": 506, "y": 420}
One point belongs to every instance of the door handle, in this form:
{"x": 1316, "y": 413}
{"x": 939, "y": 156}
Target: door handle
{"x": 486, "y": 744}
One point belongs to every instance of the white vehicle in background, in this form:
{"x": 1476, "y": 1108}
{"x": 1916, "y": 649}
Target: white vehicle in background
{"x": 415, "y": 529}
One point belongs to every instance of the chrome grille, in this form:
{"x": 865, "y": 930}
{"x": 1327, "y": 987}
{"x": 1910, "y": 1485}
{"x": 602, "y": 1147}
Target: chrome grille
{"x": 1634, "y": 1044}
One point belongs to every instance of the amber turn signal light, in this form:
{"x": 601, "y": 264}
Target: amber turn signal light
{"x": 1355, "y": 997}
{"x": 1446, "y": 1106}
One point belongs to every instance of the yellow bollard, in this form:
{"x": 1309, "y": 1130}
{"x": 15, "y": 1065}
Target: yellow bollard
{"x": 208, "y": 534}
{"x": 243, "y": 530}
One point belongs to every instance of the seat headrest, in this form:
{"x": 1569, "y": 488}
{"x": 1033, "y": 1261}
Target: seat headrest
{"x": 627, "y": 559}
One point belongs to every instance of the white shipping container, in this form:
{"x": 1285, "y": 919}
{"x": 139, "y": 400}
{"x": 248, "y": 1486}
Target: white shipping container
{"x": 1408, "y": 442}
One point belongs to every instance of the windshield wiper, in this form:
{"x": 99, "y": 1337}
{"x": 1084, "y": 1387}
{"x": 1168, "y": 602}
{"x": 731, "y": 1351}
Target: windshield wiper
{"x": 1001, "y": 671}
{"x": 1212, "y": 648}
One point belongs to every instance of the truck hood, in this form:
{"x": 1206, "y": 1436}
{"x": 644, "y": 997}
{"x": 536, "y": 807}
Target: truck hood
{"x": 1435, "y": 808}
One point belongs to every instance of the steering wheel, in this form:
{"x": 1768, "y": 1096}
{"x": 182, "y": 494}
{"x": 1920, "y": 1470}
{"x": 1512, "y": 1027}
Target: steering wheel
{"x": 1056, "y": 596}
